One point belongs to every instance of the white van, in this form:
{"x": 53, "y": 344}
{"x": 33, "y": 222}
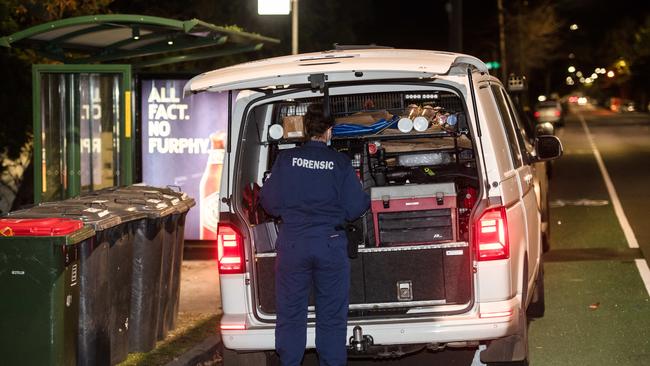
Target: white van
{"x": 451, "y": 246}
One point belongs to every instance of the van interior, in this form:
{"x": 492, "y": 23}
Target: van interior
{"x": 414, "y": 154}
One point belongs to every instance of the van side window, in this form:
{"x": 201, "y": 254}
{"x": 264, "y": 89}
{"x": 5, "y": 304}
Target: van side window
{"x": 520, "y": 131}
{"x": 506, "y": 117}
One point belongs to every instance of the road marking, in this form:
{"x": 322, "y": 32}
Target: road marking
{"x": 618, "y": 208}
{"x": 642, "y": 265}
{"x": 580, "y": 202}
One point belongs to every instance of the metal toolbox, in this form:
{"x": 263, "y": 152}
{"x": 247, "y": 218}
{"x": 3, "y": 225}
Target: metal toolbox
{"x": 414, "y": 214}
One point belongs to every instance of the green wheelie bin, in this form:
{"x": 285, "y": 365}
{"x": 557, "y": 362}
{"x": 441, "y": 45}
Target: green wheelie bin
{"x": 40, "y": 288}
{"x": 105, "y": 278}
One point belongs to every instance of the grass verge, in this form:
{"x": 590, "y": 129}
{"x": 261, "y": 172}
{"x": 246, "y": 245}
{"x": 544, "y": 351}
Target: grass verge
{"x": 192, "y": 329}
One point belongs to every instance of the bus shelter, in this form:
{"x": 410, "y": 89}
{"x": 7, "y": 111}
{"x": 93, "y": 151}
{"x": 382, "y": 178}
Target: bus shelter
{"x": 83, "y": 104}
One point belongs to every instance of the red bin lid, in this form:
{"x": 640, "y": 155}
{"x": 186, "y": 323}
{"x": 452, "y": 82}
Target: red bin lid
{"x": 39, "y": 227}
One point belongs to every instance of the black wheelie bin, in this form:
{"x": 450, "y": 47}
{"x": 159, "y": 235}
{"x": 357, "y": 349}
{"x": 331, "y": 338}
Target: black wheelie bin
{"x": 105, "y": 279}
{"x": 173, "y": 241}
{"x": 148, "y": 246}
{"x": 176, "y": 231}
{"x": 40, "y": 274}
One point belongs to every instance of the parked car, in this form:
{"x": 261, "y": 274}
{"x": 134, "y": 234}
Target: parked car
{"x": 531, "y": 130}
{"x": 550, "y": 111}
{"x": 451, "y": 253}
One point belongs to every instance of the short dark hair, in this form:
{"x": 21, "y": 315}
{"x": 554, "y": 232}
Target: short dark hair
{"x": 316, "y": 121}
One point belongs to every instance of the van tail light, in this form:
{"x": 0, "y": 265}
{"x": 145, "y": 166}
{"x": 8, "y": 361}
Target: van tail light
{"x": 230, "y": 246}
{"x": 557, "y": 113}
{"x": 491, "y": 235}
{"x": 537, "y": 114}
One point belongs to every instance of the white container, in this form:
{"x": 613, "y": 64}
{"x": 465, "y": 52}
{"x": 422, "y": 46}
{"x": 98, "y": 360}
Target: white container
{"x": 405, "y": 125}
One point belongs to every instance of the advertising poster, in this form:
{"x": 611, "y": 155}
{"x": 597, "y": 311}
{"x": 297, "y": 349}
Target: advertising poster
{"x": 183, "y": 143}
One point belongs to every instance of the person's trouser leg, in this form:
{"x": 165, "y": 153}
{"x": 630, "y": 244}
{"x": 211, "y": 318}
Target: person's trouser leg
{"x": 331, "y": 288}
{"x": 292, "y": 284}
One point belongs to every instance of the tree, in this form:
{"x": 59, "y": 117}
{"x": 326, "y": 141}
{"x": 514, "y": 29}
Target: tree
{"x": 532, "y": 36}
{"x": 16, "y": 139}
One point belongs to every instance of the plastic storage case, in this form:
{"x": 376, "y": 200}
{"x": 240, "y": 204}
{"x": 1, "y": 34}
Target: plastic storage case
{"x": 414, "y": 214}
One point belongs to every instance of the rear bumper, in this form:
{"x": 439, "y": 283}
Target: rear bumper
{"x": 458, "y": 328}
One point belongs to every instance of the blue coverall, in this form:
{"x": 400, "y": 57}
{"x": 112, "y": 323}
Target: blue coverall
{"x": 312, "y": 189}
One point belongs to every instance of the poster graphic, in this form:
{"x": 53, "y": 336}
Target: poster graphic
{"x": 183, "y": 143}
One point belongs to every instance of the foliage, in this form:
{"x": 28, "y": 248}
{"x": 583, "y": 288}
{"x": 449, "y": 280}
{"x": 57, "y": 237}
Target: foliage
{"x": 532, "y": 36}
{"x": 11, "y": 175}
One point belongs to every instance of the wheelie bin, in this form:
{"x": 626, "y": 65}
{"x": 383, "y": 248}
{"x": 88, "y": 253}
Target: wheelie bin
{"x": 105, "y": 278}
{"x": 173, "y": 242}
{"x": 176, "y": 230}
{"x": 40, "y": 275}
{"x": 148, "y": 245}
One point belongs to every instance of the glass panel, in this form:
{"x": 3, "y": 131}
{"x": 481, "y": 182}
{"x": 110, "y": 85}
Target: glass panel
{"x": 53, "y": 134}
{"x": 99, "y": 117}
{"x": 502, "y": 104}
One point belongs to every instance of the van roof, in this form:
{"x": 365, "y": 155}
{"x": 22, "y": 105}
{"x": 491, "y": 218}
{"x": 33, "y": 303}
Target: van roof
{"x": 337, "y": 65}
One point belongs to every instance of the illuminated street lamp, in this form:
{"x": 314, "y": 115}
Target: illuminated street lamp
{"x": 282, "y": 7}
{"x": 571, "y": 69}
{"x": 573, "y": 27}
{"x": 610, "y": 74}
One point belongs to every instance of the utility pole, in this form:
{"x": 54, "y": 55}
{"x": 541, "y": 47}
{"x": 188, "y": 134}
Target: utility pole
{"x": 294, "y": 27}
{"x": 455, "y": 16}
{"x": 502, "y": 43}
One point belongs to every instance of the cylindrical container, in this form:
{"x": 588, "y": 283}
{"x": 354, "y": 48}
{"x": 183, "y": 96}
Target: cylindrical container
{"x": 420, "y": 124}
{"x": 405, "y": 125}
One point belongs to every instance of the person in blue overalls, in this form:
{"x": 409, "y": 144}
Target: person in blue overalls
{"x": 313, "y": 189}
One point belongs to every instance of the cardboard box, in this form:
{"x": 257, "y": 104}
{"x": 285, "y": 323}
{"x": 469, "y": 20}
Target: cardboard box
{"x": 294, "y": 127}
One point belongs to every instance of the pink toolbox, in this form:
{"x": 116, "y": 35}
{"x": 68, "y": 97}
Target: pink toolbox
{"x": 414, "y": 214}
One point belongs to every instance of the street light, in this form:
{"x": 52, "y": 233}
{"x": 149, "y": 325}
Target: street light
{"x": 282, "y": 7}
{"x": 571, "y": 69}
{"x": 573, "y": 27}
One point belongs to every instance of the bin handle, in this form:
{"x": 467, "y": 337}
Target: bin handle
{"x": 100, "y": 204}
{"x": 174, "y": 187}
{"x": 129, "y": 201}
{"x": 72, "y": 213}
{"x": 6, "y": 231}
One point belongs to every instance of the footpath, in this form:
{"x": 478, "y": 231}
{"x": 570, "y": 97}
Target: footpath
{"x": 196, "y": 337}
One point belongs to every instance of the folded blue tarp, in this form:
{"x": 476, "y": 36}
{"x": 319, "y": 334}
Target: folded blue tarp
{"x": 351, "y": 129}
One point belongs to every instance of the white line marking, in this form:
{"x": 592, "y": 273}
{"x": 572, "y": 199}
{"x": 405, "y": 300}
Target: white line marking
{"x": 618, "y": 208}
{"x": 642, "y": 265}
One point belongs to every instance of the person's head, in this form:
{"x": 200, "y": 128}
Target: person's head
{"x": 317, "y": 124}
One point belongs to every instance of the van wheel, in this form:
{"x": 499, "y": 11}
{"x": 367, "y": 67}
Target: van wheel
{"x": 234, "y": 358}
{"x": 514, "y": 346}
{"x": 537, "y": 307}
